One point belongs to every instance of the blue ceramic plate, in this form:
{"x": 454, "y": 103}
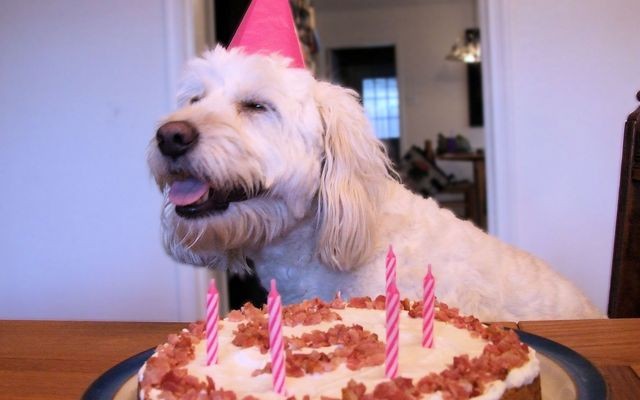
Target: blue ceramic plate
{"x": 111, "y": 382}
{"x": 566, "y": 375}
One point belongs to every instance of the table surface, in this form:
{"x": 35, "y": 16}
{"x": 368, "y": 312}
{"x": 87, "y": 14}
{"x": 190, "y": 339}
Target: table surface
{"x": 59, "y": 360}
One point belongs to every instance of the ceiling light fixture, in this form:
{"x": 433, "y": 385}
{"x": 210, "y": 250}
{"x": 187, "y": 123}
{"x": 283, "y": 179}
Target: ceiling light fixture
{"x": 467, "y": 50}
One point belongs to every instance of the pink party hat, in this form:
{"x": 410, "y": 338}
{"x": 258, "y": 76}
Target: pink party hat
{"x": 268, "y": 27}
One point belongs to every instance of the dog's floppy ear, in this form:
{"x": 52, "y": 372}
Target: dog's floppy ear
{"x": 355, "y": 169}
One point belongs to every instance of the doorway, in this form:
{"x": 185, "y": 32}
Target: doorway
{"x": 371, "y": 71}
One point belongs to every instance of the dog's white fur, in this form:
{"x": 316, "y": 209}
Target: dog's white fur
{"x": 331, "y": 208}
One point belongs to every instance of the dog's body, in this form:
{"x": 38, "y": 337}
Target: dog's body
{"x": 473, "y": 270}
{"x": 270, "y": 164}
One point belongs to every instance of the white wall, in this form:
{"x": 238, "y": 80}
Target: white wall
{"x": 562, "y": 77}
{"x": 82, "y": 86}
{"x": 433, "y": 90}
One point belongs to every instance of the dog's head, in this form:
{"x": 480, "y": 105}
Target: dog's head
{"x": 257, "y": 147}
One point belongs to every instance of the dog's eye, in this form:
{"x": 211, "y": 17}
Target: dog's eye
{"x": 195, "y": 99}
{"x": 253, "y": 106}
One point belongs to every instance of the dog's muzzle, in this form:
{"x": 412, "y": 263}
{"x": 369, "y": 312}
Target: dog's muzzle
{"x": 193, "y": 196}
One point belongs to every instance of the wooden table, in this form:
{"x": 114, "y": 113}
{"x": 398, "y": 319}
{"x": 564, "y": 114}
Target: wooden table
{"x": 59, "y": 360}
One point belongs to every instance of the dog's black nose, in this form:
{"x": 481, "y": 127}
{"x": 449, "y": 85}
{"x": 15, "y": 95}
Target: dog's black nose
{"x": 176, "y": 138}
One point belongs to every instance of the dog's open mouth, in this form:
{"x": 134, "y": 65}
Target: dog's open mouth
{"x": 194, "y": 198}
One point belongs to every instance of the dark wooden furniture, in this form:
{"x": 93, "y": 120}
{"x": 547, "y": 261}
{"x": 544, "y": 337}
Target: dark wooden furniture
{"x": 467, "y": 203}
{"x": 59, "y": 360}
{"x": 478, "y": 211}
{"x": 624, "y": 297}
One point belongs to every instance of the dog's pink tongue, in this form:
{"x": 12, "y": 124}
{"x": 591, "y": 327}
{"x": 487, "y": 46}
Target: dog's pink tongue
{"x": 186, "y": 192}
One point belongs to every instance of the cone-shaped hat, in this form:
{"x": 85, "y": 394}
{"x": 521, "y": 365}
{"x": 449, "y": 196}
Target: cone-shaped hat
{"x": 268, "y": 27}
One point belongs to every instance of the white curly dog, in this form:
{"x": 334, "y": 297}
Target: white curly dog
{"x": 265, "y": 162}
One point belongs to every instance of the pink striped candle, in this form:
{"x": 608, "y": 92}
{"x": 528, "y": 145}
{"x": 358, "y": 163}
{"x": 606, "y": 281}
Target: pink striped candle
{"x": 211, "y": 323}
{"x": 276, "y": 343}
{"x": 428, "y": 308}
{"x": 390, "y": 270}
{"x": 392, "y": 307}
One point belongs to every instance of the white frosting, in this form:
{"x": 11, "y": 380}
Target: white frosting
{"x": 236, "y": 365}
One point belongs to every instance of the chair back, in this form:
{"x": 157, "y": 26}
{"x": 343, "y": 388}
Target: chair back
{"x": 624, "y": 297}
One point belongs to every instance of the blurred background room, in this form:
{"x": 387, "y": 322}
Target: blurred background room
{"x": 510, "y": 113}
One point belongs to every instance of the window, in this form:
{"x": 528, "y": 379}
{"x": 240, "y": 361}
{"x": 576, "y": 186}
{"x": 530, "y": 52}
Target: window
{"x": 380, "y": 99}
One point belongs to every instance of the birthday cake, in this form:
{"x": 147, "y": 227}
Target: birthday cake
{"x": 336, "y": 351}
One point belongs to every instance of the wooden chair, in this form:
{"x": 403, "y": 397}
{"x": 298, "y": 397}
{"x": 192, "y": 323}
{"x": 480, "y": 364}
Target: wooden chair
{"x": 473, "y": 201}
{"x": 624, "y": 297}
{"x": 476, "y": 193}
